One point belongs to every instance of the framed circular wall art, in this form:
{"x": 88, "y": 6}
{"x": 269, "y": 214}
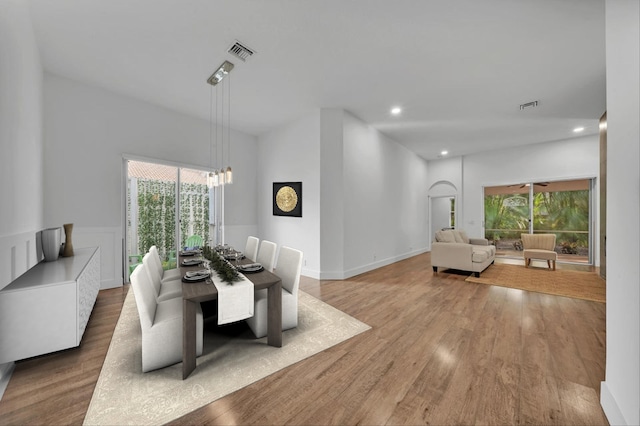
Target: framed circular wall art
{"x": 287, "y": 199}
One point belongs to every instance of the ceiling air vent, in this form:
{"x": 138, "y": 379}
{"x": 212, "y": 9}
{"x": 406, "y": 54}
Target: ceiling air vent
{"x": 529, "y": 105}
{"x": 240, "y": 51}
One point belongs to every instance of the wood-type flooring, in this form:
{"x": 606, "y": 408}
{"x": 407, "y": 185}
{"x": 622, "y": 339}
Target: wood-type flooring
{"x": 440, "y": 351}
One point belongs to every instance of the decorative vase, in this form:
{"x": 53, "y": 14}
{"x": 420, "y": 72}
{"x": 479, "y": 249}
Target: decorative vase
{"x": 68, "y": 244}
{"x": 51, "y": 244}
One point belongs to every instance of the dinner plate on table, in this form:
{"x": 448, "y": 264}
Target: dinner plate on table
{"x": 250, "y": 269}
{"x": 195, "y": 279}
{"x": 189, "y": 252}
{"x": 191, "y": 262}
{"x": 195, "y": 276}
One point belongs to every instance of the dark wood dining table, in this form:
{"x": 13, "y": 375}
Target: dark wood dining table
{"x": 203, "y": 291}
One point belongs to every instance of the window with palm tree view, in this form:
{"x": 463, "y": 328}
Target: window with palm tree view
{"x": 562, "y": 208}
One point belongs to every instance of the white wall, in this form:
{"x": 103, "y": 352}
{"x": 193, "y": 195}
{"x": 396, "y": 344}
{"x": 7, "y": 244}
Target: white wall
{"x": 620, "y": 392}
{"x": 87, "y": 131}
{"x": 292, "y": 154}
{"x": 445, "y": 170}
{"x": 385, "y": 199}
{"x": 331, "y": 193}
{"x": 20, "y": 142}
{"x": 20, "y": 148}
{"x": 365, "y": 196}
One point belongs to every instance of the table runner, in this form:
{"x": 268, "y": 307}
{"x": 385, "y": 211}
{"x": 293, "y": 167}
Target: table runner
{"x": 235, "y": 302}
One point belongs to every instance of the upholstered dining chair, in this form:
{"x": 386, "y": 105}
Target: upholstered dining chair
{"x": 169, "y": 274}
{"x": 288, "y": 269}
{"x": 267, "y": 255}
{"x": 161, "y": 324}
{"x": 251, "y": 248}
{"x": 163, "y": 290}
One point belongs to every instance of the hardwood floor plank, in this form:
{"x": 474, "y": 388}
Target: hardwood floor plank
{"x": 440, "y": 351}
{"x": 580, "y": 404}
{"x": 538, "y": 396}
{"x": 567, "y": 363}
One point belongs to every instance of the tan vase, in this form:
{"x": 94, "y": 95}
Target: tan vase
{"x": 68, "y": 244}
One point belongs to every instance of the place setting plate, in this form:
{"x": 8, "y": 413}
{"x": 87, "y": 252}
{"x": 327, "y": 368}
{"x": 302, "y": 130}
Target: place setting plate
{"x": 196, "y": 276}
{"x": 251, "y": 268}
{"x": 191, "y": 262}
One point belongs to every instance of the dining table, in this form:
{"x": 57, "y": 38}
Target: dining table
{"x": 202, "y": 291}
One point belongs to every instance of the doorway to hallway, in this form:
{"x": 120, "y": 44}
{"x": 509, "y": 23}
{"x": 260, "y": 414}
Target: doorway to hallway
{"x": 442, "y": 213}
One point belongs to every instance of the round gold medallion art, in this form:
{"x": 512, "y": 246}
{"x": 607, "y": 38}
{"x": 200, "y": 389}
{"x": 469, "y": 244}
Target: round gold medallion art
{"x": 286, "y": 199}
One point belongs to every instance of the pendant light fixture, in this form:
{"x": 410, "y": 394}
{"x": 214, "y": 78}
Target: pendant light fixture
{"x": 222, "y": 175}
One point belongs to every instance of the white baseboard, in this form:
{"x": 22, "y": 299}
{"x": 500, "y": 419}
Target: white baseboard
{"x": 610, "y": 406}
{"x": 5, "y": 375}
{"x": 311, "y": 273}
{"x": 342, "y": 275}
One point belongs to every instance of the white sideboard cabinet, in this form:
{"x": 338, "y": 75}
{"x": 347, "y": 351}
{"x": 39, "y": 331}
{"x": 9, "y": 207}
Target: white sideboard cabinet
{"x": 47, "y": 308}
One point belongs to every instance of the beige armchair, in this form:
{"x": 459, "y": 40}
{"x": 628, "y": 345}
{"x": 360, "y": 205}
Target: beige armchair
{"x": 453, "y": 249}
{"x": 539, "y": 246}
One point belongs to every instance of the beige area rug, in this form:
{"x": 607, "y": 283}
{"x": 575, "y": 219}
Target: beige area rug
{"x": 578, "y": 285}
{"x": 233, "y": 358}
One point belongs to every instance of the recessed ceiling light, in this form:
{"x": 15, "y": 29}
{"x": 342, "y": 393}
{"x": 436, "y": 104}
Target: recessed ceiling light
{"x": 578, "y": 129}
{"x": 396, "y": 110}
{"x": 444, "y": 152}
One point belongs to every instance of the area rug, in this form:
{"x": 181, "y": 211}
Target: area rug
{"x": 575, "y": 284}
{"x": 233, "y": 358}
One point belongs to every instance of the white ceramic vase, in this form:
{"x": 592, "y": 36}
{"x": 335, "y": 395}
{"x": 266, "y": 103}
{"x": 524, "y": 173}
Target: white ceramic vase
{"x": 51, "y": 244}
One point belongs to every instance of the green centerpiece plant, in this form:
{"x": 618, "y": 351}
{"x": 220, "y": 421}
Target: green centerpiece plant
{"x": 225, "y": 270}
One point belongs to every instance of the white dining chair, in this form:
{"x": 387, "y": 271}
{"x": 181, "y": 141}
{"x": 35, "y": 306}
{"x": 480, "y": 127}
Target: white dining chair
{"x": 170, "y": 274}
{"x": 267, "y": 255}
{"x": 251, "y": 248}
{"x": 163, "y": 290}
{"x": 288, "y": 269}
{"x": 161, "y": 324}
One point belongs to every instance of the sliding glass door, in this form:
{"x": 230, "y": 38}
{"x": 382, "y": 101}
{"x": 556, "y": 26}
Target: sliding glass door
{"x": 151, "y": 212}
{"x": 562, "y": 208}
{"x": 166, "y": 205}
{"x": 506, "y": 216}
{"x": 195, "y": 226}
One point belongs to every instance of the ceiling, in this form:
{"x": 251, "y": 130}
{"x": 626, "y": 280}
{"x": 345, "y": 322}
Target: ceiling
{"x": 459, "y": 68}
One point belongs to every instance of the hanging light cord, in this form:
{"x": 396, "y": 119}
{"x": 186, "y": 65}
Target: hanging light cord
{"x": 216, "y": 130}
{"x": 210, "y": 129}
{"x": 224, "y": 84}
{"x": 229, "y": 126}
